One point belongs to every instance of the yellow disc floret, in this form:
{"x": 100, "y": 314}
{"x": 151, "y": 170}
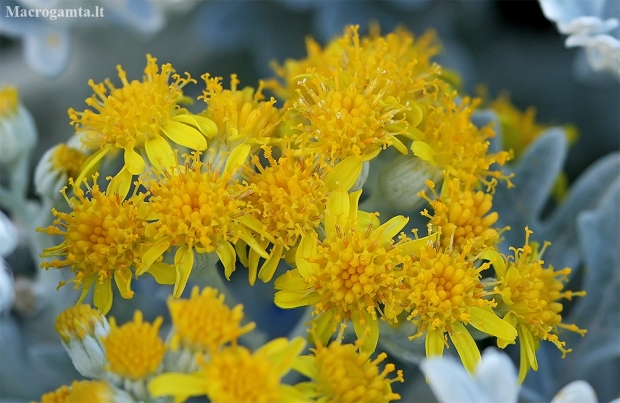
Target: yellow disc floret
{"x": 103, "y": 237}
{"x": 134, "y": 350}
{"x": 78, "y": 321}
{"x": 80, "y": 392}
{"x": 343, "y": 374}
{"x": 204, "y": 323}
{"x": 461, "y": 216}
{"x": 530, "y": 300}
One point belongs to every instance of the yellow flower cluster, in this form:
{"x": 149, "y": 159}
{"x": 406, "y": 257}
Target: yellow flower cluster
{"x": 259, "y": 181}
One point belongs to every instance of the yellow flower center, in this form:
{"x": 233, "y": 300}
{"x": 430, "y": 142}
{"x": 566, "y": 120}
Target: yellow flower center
{"x": 347, "y": 119}
{"x": 80, "y": 392}
{"x": 441, "y": 288}
{"x": 77, "y": 321}
{"x": 203, "y": 322}
{"x": 69, "y": 160}
{"x": 241, "y": 116}
{"x": 462, "y": 217}
{"x": 134, "y": 350}
{"x": 102, "y": 235}
{"x": 235, "y": 375}
{"x": 289, "y": 195}
{"x": 356, "y": 271}
{"x": 346, "y": 375}
{"x": 194, "y": 208}
{"x": 9, "y": 100}
{"x": 130, "y": 115}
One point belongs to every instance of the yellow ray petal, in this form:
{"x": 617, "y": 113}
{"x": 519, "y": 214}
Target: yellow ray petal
{"x": 305, "y": 365}
{"x": 465, "y": 346}
{"x": 160, "y": 153}
{"x": 290, "y": 281}
{"x": 151, "y": 255}
{"x": 253, "y": 266}
{"x": 255, "y": 225}
{"x": 103, "y": 296}
{"x": 489, "y": 323}
{"x": 183, "y": 263}
{"x": 367, "y": 332}
{"x": 269, "y": 267}
{"x": 90, "y": 165}
{"x": 227, "y": 255}
{"x": 354, "y": 199}
{"x": 134, "y": 161}
{"x": 254, "y": 245}
{"x": 325, "y": 327}
{"x": 163, "y": 273}
{"x": 393, "y": 226}
{"x": 120, "y": 184}
{"x": 176, "y": 384}
{"x": 237, "y": 157}
{"x": 434, "y": 343}
{"x": 423, "y": 151}
{"x": 242, "y": 252}
{"x": 306, "y": 249}
{"x": 207, "y": 127}
{"x": 499, "y": 265}
{"x": 184, "y": 135}
{"x": 122, "y": 278}
{"x": 293, "y": 299}
{"x": 344, "y": 174}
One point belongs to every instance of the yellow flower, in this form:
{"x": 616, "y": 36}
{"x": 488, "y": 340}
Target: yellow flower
{"x": 442, "y": 294}
{"x": 288, "y": 197}
{"x": 461, "y": 217}
{"x": 103, "y": 239}
{"x": 134, "y": 350}
{"x": 348, "y": 274}
{"x": 448, "y": 139}
{"x": 237, "y": 375}
{"x": 196, "y": 209}
{"x": 81, "y": 327}
{"x": 140, "y": 117}
{"x": 530, "y": 295}
{"x": 87, "y": 391}
{"x": 204, "y": 323}
{"x": 342, "y": 373}
{"x": 242, "y": 117}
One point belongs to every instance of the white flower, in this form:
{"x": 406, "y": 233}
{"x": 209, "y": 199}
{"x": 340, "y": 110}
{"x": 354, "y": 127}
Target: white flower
{"x": 587, "y": 27}
{"x": 495, "y": 381}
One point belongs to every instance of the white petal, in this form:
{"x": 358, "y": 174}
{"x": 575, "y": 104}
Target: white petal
{"x": 496, "y": 376}
{"x": 450, "y": 382}
{"x": 576, "y": 392}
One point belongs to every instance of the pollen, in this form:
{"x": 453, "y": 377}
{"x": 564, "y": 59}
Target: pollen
{"x": 194, "y": 207}
{"x": 241, "y": 116}
{"x": 68, "y": 160}
{"x": 442, "y": 286}
{"x": 9, "y": 100}
{"x": 134, "y": 350}
{"x": 289, "y": 195}
{"x": 77, "y": 322}
{"x": 346, "y": 375}
{"x": 204, "y": 323}
{"x": 463, "y": 217}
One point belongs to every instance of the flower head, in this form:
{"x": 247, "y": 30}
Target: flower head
{"x": 237, "y": 375}
{"x": 18, "y": 133}
{"x": 241, "y": 116}
{"x": 80, "y": 327}
{"x": 134, "y": 350}
{"x": 345, "y": 373}
{"x": 289, "y": 197}
{"x": 103, "y": 239}
{"x": 530, "y": 295}
{"x": 347, "y": 275}
{"x": 442, "y": 294}
{"x": 140, "y": 116}
{"x": 204, "y": 323}
{"x": 449, "y": 140}
{"x": 87, "y": 391}
{"x": 197, "y": 209}
{"x": 462, "y": 217}
{"x": 57, "y": 165}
